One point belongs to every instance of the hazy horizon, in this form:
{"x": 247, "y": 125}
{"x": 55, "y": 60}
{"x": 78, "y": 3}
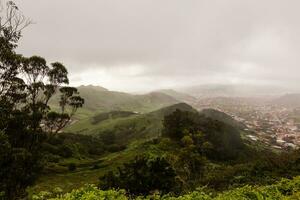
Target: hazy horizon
{"x": 137, "y": 46}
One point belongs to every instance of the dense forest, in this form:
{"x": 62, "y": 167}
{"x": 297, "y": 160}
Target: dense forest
{"x": 135, "y": 147}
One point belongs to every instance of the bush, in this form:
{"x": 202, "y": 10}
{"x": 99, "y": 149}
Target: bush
{"x": 65, "y": 151}
{"x": 108, "y": 137}
{"x": 141, "y": 176}
{"x": 96, "y": 166}
{"x": 96, "y": 151}
{"x": 52, "y": 158}
{"x": 285, "y": 189}
{"x": 115, "y": 148}
{"x": 72, "y": 167}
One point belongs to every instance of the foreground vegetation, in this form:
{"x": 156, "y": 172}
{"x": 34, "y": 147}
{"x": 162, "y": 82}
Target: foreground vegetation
{"x": 285, "y": 189}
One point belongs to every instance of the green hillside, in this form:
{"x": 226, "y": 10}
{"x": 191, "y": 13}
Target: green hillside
{"x": 180, "y": 96}
{"x": 98, "y": 99}
{"x": 138, "y": 126}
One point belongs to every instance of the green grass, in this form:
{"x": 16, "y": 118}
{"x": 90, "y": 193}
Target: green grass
{"x": 151, "y": 121}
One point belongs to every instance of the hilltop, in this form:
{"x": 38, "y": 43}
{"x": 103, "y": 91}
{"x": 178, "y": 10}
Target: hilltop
{"x": 180, "y": 96}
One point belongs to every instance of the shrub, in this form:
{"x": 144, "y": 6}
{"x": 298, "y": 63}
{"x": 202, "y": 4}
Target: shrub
{"x": 141, "y": 176}
{"x": 285, "y": 189}
{"x": 115, "y": 148}
{"x": 72, "y": 167}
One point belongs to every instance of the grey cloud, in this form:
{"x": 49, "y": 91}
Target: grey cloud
{"x": 192, "y": 41}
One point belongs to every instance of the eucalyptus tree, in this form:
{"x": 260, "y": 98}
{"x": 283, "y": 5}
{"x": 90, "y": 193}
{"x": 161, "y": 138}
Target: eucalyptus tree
{"x": 26, "y": 86}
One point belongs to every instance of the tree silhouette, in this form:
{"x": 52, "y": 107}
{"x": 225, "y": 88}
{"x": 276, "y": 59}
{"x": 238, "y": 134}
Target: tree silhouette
{"x": 26, "y": 86}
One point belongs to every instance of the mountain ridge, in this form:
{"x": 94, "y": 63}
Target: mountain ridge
{"x": 99, "y": 99}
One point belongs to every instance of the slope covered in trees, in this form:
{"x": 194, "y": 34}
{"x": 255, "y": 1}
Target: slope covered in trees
{"x": 220, "y": 116}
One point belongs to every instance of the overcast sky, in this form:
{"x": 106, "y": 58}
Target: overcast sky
{"x": 134, "y": 45}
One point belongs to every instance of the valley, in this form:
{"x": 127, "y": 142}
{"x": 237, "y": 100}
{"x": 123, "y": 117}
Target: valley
{"x": 274, "y": 123}
{"x": 124, "y": 134}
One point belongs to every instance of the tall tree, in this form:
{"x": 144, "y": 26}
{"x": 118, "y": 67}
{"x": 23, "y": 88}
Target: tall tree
{"x": 26, "y": 86}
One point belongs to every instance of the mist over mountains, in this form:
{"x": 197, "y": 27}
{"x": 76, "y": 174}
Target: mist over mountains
{"x": 99, "y": 99}
{"x": 236, "y": 90}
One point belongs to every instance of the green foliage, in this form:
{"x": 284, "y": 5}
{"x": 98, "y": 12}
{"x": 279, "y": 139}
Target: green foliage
{"x": 187, "y": 141}
{"x": 26, "y": 86}
{"x": 72, "y": 167}
{"x": 214, "y": 138}
{"x": 178, "y": 123}
{"x": 108, "y": 137}
{"x": 67, "y": 145}
{"x": 141, "y": 176}
{"x": 285, "y": 189}
{"x": 89, "y": 192}
{"x": 111, "y": 115}
{"x": 115, "y": 148}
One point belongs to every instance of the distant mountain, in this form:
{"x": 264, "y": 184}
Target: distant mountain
{"x": 99, "y": 99}
{"x": 180, "y": 96}
{"x": 232, "y": 90}
{"x": 288, "y": 100}
{"x": 92, "y": 87}
{"x": 170, "y": 109}
{"x": 231, "y": 101}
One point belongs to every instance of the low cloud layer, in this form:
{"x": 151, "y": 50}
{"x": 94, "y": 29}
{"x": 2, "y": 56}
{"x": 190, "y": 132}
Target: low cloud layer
{"x": 139, "y": 45}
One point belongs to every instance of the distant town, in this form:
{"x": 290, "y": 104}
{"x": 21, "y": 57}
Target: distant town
{"x": 274, "y": 125}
